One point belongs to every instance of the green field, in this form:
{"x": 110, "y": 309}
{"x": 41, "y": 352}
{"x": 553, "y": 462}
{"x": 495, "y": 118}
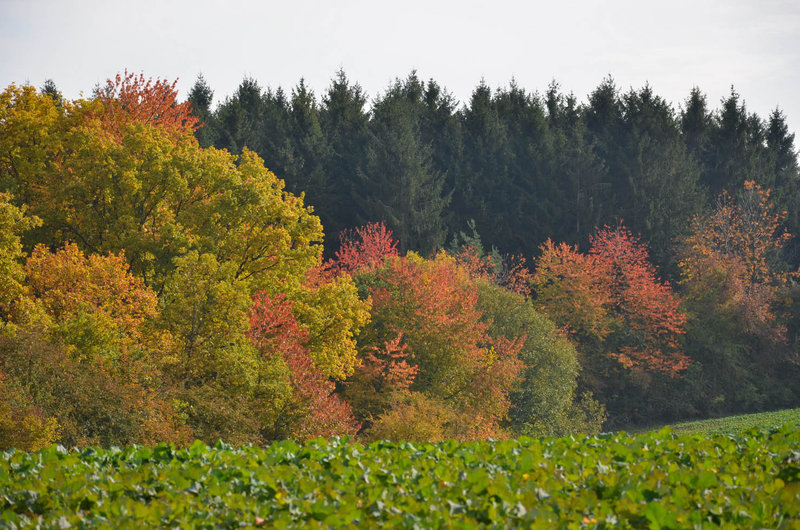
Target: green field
{"x": 738, "y": 424}
{"x": 649, "y": 480}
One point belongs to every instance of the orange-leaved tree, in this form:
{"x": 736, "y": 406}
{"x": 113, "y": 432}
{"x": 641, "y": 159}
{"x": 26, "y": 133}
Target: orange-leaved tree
{"x": 736, "y": 287}
{"x": 69, "y": 284}
{"x": 314, "y": 409}
{"x": 132, "y": 98}
{"x": 740, "y": 242}
{"x": 426, "y": 347}
{"x": 613, "y": 303}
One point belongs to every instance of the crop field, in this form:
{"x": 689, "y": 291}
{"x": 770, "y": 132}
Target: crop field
{"x": 655, "y": 480}
{"x": 738, "y": 424}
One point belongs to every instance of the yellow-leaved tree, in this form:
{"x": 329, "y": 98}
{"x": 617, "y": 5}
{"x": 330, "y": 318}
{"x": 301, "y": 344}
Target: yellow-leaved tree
{"x": 203, "y": 229}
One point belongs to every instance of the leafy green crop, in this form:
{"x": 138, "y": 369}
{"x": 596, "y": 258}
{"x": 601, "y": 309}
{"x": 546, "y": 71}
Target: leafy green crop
{"x": 651, "y": 480}
{"x": 737, "y": 424}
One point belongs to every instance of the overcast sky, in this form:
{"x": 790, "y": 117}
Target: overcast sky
{"x": 713, "y": 44}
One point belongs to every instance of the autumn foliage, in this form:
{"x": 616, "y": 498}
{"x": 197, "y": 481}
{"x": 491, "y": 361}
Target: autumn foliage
{"x": 161, "y": 245}
{"x": 364, "y": 248}
{"x": 612, "y": 298}
{"x": 155, "y": 290}
{"x": 67, "y": 282}
{"x": 738, "y": 245}
{"x": 426, "y": 344}
{"x": 130, "y": 98}
{"x": 746, "y": 230}
{"x": 509, "y": 272}
{"x": 275, "y": 331}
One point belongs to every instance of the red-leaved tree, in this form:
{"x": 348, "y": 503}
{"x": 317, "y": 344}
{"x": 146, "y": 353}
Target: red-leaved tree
{"x": 426, "y": 346}
{"x": 364, "y": 248}
{"x": 131, "y": 98}
{"x": 275, "y": 331}
{"x": 612, "y": 301}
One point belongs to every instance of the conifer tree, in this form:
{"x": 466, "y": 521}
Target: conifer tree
{"x": 200, "y": 97}
{"x": 400, "y": 184}
{"x": 344, "y": 123}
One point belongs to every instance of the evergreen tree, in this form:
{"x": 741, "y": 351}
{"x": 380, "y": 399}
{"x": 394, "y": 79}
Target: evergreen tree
{"x": 652, "y": 179}
{"x": 604, "y": 120}
{"x": 400, "y": 184}
{"x": 531, "y": 212}
{"x": 345, "y": 125}
{"x": 696, "y": 125}
{"x": 241, "y": 118}
{"x": 261, "y": 121}
{"x": 782, "y": 159}
{"x": 480, "y": 192}
{"x": 201, "y": 96}
{"x": 579, "y": 173}
{"x": 49, "y": 88}
{"x": 736, "y": 142}
{"x": 441, "y": 128}
{"x": 310, "y": 155}
{"x": 658, "y": 181}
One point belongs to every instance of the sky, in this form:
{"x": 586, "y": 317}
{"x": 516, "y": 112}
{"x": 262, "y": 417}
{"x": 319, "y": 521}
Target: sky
{"x": 753, "y": 46}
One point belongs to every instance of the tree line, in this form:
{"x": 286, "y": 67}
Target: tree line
{"x": 521, "y": 166}
{"x": 513, "y": 169}
{"x": 159, "y": 283}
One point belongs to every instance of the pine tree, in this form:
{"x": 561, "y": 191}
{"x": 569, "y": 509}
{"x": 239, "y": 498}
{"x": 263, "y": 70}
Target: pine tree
{"x": 695, "y": 122}
{"x": 479, "y": 192}
{"x": 579, "y": 173}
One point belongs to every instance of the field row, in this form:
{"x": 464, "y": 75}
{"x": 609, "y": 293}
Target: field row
{"x": 657, "y": 480}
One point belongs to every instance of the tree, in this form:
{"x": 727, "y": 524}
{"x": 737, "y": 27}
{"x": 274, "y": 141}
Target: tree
{"x": 365, "y": 248}
{"x": 97, "y": 294}
{"x": 311, "y": 154}
{"x": 49, "y": 88}
{"x": 84, "y": 399}
{"x": 13, "y": 222}
{"x": 626, "y": 323}
{"x": 652, "y": 180}
{"x": 88, "y": 364}
{"x": 583, "y": 184}
{"x": 480, "y": 192}
{"x": 426, "y": 336}
{"x": 200, "y": 97}
{"x": 131, "y": 98}
{"x": 400, "y": 184}
{"x": 604, "y": 115}
{"x": 344, "y": 123}
{"x": 786, "y": 174}
{"x": 317, "y": 410}
{"x": 735, "y": 147}
{"x": 156, "y": 195}
{"x": 649, "y": 310}
{"x": 735, "y": 280}
{"x": 696, "y": 123}
{"x": 544, "y": 401}
{"x": 661, "y": 177}
{"x": 23, "y": 426}
{"x": 571, "y": 288}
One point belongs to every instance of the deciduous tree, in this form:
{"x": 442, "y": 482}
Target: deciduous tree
{"x": 314, "y": 410}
